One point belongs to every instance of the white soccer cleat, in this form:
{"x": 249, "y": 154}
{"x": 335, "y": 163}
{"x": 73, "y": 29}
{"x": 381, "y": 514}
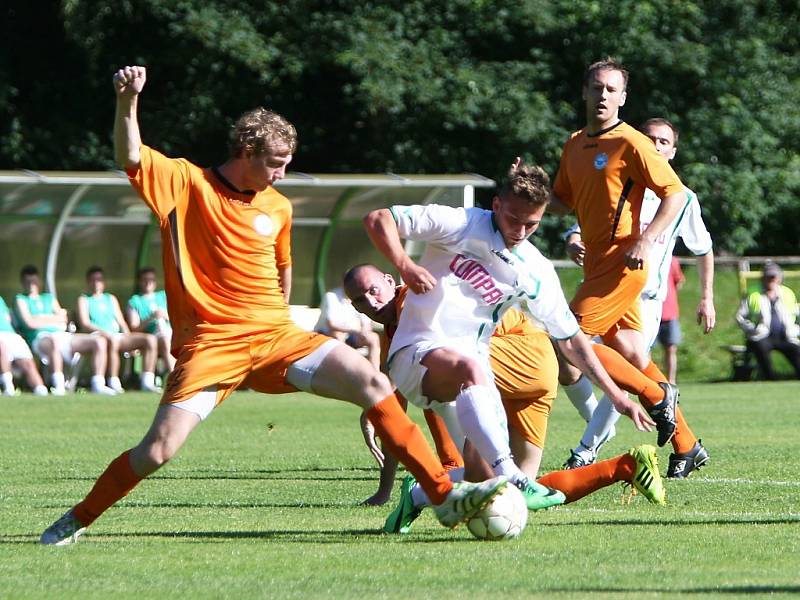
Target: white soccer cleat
{"x": 65, "y": 531}
{"x": 466, "y": 499}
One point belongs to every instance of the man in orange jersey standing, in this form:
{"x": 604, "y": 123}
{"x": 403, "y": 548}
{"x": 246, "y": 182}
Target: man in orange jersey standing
{"x": 604, "y": 171}
{"x": 227, "y": 265}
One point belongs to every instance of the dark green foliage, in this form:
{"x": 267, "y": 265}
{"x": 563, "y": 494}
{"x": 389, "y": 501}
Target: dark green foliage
{"x": 422, "y": 86}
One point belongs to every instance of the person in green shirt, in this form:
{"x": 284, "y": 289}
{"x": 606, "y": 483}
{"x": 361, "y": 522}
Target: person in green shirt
{"x": 13, "y": 349}
{"x": 99, "y": 314}
{"x": 43, "y": 324}
{"x": 147, "y": 312}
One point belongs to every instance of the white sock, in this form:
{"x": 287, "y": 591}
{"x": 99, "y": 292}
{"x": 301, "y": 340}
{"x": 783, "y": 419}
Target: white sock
{"x": 114, "y": 383}
{"x": 448, "y": 413}
{"x": 600, "y": 428}
{"x": 581, "y": 394}
{"x": 483, "y": 420}
{"x": 40, "y": 390}
{"x": 420, "y": 498}
{"x": 8, "y": 383}
{"x": 97, "y": 382}
{"x": 148, "y": 379}
{"x": 59, "y": 381}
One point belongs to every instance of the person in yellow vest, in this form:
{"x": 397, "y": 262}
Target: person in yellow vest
{"x": 769, "y": 319}
{"x": 99, "y": 313}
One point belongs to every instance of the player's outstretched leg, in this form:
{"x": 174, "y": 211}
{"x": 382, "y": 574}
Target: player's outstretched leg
{"x": 646, "y": 477}
{"x": 681, "y": 465}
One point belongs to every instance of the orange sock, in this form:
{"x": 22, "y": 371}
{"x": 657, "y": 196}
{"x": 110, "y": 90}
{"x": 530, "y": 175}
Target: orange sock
{"x": 683, "y": 440}
{"x": 654, "y": 373}
{"x": 449, "y": 455}
{"x": 405, "y": 441}
{"x": 580, "y": 482}
{"x": 114, "y": 484}
{"x": 628, "y": 377}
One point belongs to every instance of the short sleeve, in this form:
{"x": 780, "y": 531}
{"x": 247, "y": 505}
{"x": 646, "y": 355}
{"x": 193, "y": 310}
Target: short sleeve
{"x": 430, "y": 223}
{"x": 160, "y": 181}
{"x": 693, "y": 230}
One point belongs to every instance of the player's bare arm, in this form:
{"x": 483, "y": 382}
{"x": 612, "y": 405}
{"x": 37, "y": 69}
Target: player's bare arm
{"x": 575, "y": 248}
{"x": 706, "y": 313}
{"x": 382, "y": 231}
{"x": 666, "y": 213}
{"x": 128, "y": 84}
{"x": 578, "y": 351}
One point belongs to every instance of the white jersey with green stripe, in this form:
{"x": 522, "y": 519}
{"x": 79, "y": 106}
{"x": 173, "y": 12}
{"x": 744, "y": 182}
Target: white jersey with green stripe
{"x": 688, "y": 225}
{"x": 478, "y": 280}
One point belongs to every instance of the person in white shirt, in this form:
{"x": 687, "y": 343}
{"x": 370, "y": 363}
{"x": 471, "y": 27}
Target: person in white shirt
{"x": 476, "y": 265}
{"x": 690, "y": 227}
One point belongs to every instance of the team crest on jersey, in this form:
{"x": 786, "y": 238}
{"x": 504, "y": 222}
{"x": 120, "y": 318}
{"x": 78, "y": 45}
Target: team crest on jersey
{"x": 600, "y": 161}
{"x": 263, "y": 225}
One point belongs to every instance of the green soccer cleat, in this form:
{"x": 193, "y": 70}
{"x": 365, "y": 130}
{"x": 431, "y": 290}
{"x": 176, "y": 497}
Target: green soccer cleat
{"x": 538, "y": 496}
{"x": 466, "y": 499}
{"x": 65, "y": 531}
{"x": 646, "y": 478}
{"x": 405, "y": 513}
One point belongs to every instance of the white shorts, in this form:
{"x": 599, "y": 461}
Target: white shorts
{"x": 299, "y": 374}
{"x": 406, "y": 369}
{"x": 15, "y": 345}
{"x": 651, "y": 320}
{"x": 62, "y": 340}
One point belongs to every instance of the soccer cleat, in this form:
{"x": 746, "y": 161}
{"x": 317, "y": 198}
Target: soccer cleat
{"x": 680, "y": 465}
{"x": 575, "y": 460}
{"x": 103, "y": 390}
{"x": 405, "y": 513}
{"x": 65, "y": 531}
{"x": 538, "y": 496}
{"x": 663, "y": 413}
{"x": 646, "y": 477}
{"x": 466, "y": 499}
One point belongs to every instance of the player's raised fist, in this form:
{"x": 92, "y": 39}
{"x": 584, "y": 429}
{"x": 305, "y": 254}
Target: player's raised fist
{"x": 129, "y": 81}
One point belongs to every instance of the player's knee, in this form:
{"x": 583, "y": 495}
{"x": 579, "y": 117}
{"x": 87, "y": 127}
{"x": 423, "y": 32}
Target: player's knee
{"x": 567, "y": 374}
{"x": 468, "y": 371}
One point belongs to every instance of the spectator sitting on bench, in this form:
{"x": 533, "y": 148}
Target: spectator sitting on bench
{"x": 769, "y": 319}
{"x": 43, "y": 323}
{"x": 99, "y": 313}
{"x": 147, "y": 312}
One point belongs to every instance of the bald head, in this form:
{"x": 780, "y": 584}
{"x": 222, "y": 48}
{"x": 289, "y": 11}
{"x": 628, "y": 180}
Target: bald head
{"x": 372, "y": 292}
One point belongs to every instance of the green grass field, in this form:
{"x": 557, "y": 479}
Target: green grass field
{"x": 263, "y": 502}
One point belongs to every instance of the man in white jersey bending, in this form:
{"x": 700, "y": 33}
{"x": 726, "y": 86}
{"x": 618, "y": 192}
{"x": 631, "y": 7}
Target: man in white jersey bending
{"x": 689, "y": 226}
{"x": 477, "y": 264}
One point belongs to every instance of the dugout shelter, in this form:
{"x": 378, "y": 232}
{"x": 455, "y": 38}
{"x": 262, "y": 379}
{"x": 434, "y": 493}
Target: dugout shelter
{"x": 63, "y": 222}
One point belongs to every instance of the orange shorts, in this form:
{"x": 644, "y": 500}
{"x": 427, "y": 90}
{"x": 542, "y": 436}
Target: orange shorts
{"x": 608, "y": 298}
{"x": 526, "y": 374}
{"x": 217, "y": 356}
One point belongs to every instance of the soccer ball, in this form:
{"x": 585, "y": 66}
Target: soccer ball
{"x": 503, "y": 518}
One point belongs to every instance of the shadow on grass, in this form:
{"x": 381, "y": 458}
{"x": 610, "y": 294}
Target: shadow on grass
{"x": 340, "y": 536}
{"x": 349, "y": 474}
{"x": 676, "y": 522}
{"x": 732, "y": 589}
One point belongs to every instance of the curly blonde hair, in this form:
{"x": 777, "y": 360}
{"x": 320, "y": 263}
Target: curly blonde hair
{"x": 261, "y": 131}
{"x": 528, "y": 182}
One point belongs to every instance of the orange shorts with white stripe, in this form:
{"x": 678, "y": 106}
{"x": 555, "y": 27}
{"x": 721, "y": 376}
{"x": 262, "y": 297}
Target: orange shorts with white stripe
{"x": 608, "y": 298}
{"x": 259, "y": 360}
{"x": 526, "y": 375}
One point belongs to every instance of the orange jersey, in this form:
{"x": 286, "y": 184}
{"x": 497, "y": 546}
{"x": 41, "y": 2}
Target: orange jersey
{"x": 223, "y": 249}
{"x": 603, "y": 178}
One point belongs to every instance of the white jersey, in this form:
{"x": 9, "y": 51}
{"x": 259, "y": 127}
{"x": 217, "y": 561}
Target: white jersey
{"x": 688, "y": 225}
{"x": 478, "y": 279}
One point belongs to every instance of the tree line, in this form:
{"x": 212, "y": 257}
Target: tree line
{"x": 422, "y": 86}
